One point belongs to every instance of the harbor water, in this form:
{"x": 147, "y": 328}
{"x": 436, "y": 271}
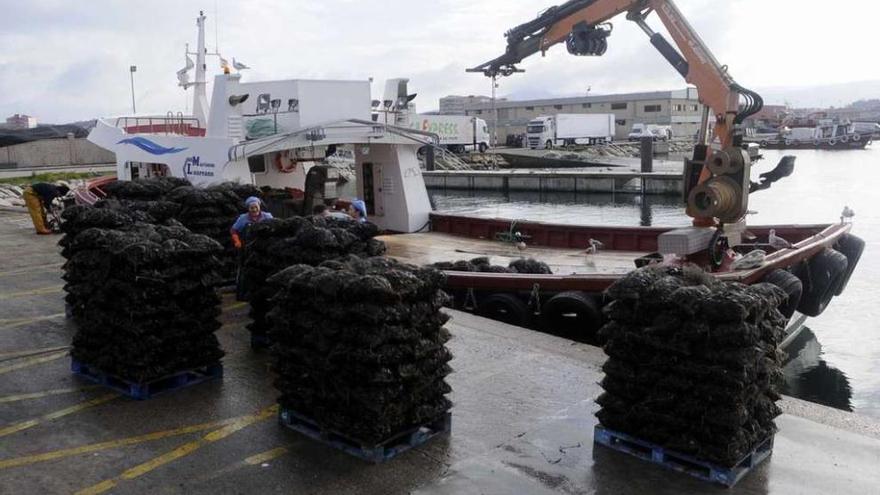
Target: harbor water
{"x": 836, "y": 361}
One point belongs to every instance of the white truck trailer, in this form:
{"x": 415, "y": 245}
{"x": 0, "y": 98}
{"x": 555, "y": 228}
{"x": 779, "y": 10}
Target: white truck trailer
{"x": 458, "y": 133}
{"x": 565, "y": 129}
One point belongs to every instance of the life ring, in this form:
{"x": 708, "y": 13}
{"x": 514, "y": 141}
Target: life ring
{"x": 572, "y": 314}
{"x": 284, "y": 164}
{"x": 832, "y": 142}
{"x": 764, "y": 143}
{"x": 844, "y": 139}
{"x": 856, "y": 138}
{"x": 791, "y": 285}
{"x": 820, "y": 276}
{"x": 504, "y": 307}
{"x": 851, "y": 247}
{"x": 787, "y": 142}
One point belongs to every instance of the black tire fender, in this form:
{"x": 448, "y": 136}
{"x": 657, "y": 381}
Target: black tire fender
{"x": 851, "y": 247}
{"x": 573, "y": 314}
{"x": 791, "y": 285}
{"x": 504, "y": 307}
{"x": 820, "y": 276}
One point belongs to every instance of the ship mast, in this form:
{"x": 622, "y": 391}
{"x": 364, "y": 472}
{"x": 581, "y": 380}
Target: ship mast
{"x": 200, "y": 94}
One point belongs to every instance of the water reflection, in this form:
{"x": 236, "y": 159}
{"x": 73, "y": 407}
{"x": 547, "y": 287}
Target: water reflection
{"x": 809, "y": 377}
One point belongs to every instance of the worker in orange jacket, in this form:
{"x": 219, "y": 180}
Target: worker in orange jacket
{"x": 253, "y": 215}
{"x": 38, "y": 197}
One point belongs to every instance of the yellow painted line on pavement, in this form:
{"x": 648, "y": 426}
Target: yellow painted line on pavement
{"x": 111, "y": 444}
{"x": 44, "y": 393}
{"x": 32, "y": 269}
{"x": 182, "y": 451}
{"x": 32, "y": 361}
{"x": 24, "y": 425}
{"x": 27, "y": 352}
{"x": 34, "y": 292}
{"x": 234, "y": 306}
{"x": 20, "y": 322}
{"x": 265, "y": 456}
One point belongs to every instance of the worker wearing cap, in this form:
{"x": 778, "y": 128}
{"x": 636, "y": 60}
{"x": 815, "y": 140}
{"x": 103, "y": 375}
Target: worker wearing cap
{"x": 358, "y": 210}
{"x": 253, "y": 215}
{"x": 38, "y": 198}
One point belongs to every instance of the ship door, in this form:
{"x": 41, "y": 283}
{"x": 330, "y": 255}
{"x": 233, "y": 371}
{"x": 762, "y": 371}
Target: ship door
{"x": 371, "y": 187}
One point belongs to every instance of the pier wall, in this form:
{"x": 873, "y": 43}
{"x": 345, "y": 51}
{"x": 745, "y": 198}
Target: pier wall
{"x": 648, "y": 183}
{"x": 54, "y": 153}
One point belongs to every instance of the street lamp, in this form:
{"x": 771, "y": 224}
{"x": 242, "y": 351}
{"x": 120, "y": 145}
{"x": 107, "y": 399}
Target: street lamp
{"x": 132, "y": 69}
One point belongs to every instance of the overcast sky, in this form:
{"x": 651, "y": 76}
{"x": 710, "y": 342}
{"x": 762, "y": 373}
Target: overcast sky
{"x": 63, "y": 61}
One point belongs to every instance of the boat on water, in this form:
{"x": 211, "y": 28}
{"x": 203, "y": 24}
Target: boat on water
{"x": 285, "y": 134}
{"x": 827, "y": 135}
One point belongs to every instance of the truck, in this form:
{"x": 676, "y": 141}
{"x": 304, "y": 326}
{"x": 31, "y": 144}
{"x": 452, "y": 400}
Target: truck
{"x": 458, "y": 133}
{"x": 565, "y": 129}
{"x": 655, "y": 132}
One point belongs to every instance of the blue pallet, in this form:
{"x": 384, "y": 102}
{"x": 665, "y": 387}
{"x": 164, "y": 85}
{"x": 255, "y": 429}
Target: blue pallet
{"x": 145, "y": 390}
{"x": 706, "y": 471}
{"x": 260, "y": 341}
{"x": 375, "y": 453}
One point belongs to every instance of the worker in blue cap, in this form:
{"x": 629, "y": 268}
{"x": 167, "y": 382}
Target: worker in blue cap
{"x": 358, "y": 210}
{"x": 253, "y": 215}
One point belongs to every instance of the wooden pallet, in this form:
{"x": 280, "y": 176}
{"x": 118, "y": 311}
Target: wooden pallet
{"x": 655, "y": 454}
{"x": 370, "y": 452}
{"x": 145, "y": 390}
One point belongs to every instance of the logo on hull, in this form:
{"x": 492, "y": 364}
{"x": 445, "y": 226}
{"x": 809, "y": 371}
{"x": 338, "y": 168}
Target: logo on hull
{"x": 150, "y": 147}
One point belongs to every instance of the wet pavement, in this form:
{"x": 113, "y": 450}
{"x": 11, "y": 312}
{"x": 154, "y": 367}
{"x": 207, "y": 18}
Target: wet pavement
{"x": 522, "y": 420}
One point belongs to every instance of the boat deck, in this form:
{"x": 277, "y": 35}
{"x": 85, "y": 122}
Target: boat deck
{"x": 432, "y": 247}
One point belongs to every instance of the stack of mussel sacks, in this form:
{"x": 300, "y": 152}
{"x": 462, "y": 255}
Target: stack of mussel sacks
{"x": 209, "y": 211}
{"x": 692, "y": 362}
{"x": 277, "y": 244}
{"x": 359, "y": 345}
{"x": 141, "y": 294}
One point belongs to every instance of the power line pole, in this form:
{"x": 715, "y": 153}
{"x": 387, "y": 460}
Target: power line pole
{"x": 132, "y": 70}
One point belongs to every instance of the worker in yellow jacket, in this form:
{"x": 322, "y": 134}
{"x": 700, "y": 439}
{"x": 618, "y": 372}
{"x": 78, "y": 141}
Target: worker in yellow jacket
{"x": 38, "y": 198}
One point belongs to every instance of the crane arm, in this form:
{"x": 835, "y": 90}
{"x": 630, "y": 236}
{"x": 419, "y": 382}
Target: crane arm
{"x": 579, "y": 19}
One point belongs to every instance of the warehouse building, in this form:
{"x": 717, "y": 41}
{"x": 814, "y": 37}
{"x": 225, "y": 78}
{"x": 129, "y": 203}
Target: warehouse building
{"x": 457, "y": 105}
{"x": 679, "y": 109}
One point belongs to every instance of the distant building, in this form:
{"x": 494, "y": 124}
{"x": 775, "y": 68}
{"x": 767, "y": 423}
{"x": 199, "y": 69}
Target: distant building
{"x": 769, "y": 116}
{"x": 456, "y": 105}
{"x": 19, "y": 121}
{"x": 679, "y": 109}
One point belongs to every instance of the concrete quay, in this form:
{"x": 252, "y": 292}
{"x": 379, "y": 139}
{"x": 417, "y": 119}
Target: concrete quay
{"x": 522, "y": 419}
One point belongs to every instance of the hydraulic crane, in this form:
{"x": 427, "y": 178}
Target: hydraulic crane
{"x": 717, "y": 182}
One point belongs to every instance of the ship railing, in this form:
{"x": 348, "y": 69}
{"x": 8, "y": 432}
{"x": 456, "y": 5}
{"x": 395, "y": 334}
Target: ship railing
{"x": 170, "y": 124}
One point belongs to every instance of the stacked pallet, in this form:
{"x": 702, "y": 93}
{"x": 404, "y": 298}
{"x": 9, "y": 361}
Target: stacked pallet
{"x": 212, "y": 211}
{"x": 359, "y": 346}
{"x": 208, "y": 211}
{"x": 692, "y": 362}
{"x": 141, "y": 294}
{"x": 277, "y": 244}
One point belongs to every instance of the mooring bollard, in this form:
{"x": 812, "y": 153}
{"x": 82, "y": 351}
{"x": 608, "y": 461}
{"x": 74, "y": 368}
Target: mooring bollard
{"x": 646, "y": 150}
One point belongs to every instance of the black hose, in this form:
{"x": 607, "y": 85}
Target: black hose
{"x": 754, "y": 103}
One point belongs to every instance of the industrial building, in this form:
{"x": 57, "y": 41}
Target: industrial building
{"x": 680, "y": 109}
{"x": 21, "y": 121}
{"x": 457, "y": 105}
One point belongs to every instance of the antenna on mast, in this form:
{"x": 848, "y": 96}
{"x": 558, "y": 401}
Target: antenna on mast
{"x": 216, "y": 28}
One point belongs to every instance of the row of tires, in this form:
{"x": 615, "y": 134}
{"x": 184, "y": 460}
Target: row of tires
{"x": 830, "y": 141}
{"x": 810, "y": 286}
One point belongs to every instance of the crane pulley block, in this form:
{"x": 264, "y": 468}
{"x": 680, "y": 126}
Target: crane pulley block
{"x": 588, "y": 40}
